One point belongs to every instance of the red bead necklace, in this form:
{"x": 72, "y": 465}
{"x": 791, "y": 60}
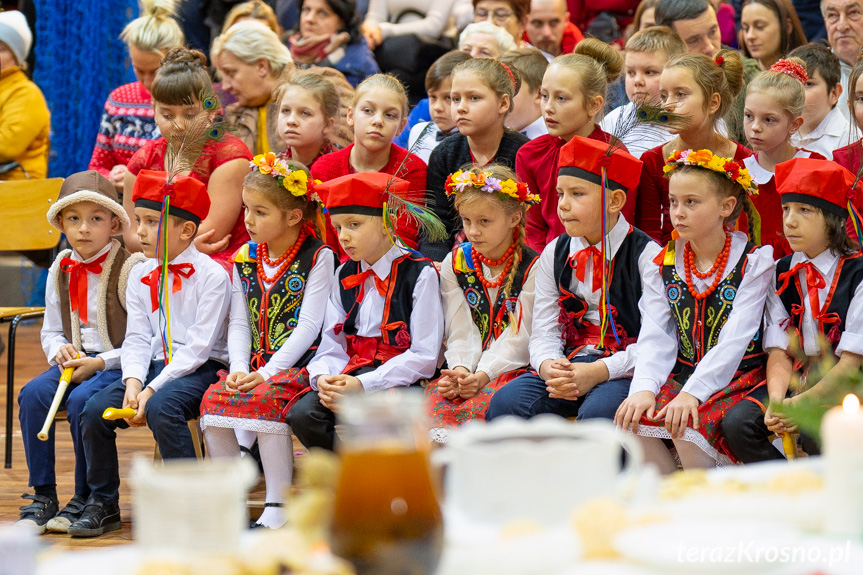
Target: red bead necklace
{"x": 283, "y": 262}
{"x": 718, "y": 269}
{"x": 481, "y": 259}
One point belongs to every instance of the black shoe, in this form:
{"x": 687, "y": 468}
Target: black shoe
{"x": 38, "y": 513}
{"x": 98, "y": 518}
{"x": 67, "y": 516}
{"x": 253, "y": 524}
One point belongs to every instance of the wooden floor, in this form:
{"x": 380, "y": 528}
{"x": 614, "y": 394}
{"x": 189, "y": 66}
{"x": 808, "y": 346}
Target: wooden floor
{"x": 29, "y": 362}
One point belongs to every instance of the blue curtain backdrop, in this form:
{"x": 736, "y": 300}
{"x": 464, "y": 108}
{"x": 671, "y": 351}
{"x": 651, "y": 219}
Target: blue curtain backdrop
{"x": 79, "y": 60}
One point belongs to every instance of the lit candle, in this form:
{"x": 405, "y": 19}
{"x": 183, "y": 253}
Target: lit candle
{"x": 842, "y": 435}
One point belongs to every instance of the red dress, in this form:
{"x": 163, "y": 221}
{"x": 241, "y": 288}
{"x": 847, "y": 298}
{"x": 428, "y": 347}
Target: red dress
{"x": 402, "y": 163}
{"x": 216, "y": 153}
{"x": 649, "y": 206}
{"x": 536, "y": 165}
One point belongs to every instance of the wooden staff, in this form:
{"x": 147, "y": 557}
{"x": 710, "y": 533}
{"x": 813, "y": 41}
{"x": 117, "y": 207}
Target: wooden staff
{"x": 65, "y": 378}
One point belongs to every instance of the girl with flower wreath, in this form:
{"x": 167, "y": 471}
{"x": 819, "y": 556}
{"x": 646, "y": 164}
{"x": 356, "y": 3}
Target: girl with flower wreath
{"x": 281, "y": 280}
{"x": 487, "y": 288}
{"x": 700, "y": 346}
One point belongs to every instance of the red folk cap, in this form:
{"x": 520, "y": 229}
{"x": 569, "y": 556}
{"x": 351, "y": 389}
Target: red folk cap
{"x": 584, "y": 158}
{"x": 819, "y": 183}
{"x": 361, "y": 193}
{"x": 189, "y": 198}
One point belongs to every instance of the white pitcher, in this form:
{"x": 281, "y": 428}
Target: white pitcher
{"x": 539, "y": 469}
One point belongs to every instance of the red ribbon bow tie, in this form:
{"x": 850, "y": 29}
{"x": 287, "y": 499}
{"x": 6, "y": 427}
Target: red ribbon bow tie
{"x": 78, "y": 282}
{"x": 180, "y": 271}
{"x": 814, "y": 282}
{"x": 579, "y": 261}
{"x": 358, "y": 280}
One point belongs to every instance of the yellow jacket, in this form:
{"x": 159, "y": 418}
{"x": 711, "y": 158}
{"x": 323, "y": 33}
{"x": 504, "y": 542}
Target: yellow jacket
{"x": 25, "y": 125}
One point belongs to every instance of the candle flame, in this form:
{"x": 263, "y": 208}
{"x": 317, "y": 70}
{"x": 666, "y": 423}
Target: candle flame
{"x": 851, "y": 404}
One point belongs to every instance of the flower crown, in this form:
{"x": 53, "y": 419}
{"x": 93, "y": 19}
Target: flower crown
{"x": 294, "y": 180}
{"x": 707, "y": 159}
{"x": 485, "y": 182}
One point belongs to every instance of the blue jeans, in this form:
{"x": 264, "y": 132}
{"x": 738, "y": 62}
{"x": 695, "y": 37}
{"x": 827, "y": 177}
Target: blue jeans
{"x": 167, "y": 412}
{"x": 34, "y": 401}
{"x": 526, "y": 396}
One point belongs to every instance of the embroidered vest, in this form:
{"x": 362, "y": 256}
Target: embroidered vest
{"x": 699, "y": 323}
{"x": 831, "y": 322}
{"x": 111, "y": 316}
{"x": 396, "y": 320}
{"x": 274, "y": 313}
{"x": 624, "y": 291}
{"x": 490, "y": 318}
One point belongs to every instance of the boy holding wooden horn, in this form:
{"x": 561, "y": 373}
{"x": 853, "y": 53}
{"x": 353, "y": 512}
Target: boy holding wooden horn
{"x": 84, "y": 327}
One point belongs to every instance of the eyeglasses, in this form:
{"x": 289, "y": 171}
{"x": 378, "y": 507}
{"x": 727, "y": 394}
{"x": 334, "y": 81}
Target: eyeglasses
{"x": 498, "y": 15}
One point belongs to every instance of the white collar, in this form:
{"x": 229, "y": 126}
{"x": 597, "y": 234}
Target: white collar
{"x": 833, "y": 124}
{"x": 615, "y": 238}
{"x": 823, "y": 262}
{"x": 383, "y": 266}
{"x": 187, "y": 256}
{"x": 761, "y": 175}
{"x": 77, "y": 257}
{"x": 536, "y": 128}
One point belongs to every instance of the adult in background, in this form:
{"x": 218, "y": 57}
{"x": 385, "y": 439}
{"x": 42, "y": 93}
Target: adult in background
{"x": 844, "y": 22}
{"x": 127, "y": 123}
{"x": 549, "y": 29}
{"x": 25, "y": 122}
{"x": 511, "y": 15}
{"x": 769, "y": 29}
{"x": 330, "y": 37}
{"x": 250, "y": 58}
{"x": 253, "y": 10}
{"x": 696, "y": 23}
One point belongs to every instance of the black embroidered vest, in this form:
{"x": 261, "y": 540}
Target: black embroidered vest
{"x": 700, "y": 322}
{"x": 624, "y": 291}
{"x": 831, "y": 323}
{"x": 274, "y": 314}
{"x": 491, "y": 318}
{"x": 404, "y": 273}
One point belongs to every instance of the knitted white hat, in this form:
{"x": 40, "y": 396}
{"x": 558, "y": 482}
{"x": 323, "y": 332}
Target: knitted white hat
{"x": 15, "y": 33}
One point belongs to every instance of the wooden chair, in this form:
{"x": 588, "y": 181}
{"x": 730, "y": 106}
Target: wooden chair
{"x": 23, "y": 205}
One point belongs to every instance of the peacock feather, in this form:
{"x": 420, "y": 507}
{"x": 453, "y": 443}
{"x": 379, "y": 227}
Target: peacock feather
{"x": 186, "y": 145}
{"x": 644, "y": 121}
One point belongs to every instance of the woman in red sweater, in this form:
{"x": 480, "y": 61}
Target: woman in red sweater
{"x": 573, "y": 92}
{"x": 378, "y": 114}
{"x": 702, "y": 89}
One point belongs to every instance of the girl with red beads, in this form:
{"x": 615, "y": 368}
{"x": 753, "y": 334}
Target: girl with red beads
{"x": 700, "y": 348}
{"x": 487, "y": 286}
{"x": 281, "y": 280}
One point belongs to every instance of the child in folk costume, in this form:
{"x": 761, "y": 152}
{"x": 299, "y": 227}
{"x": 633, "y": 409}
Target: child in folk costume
{"x": 586, "y": 314}
{"x": 700, "y": 344}
{"x": 281, "y": 282}
{"x": 383, "y": 325}
{"x": 175, "y": 341}
{"x": 487, "y": 287}
{"x": 84, "y": 327}
{"x": 818, "y": 296}
{"x": 773, "y": 113}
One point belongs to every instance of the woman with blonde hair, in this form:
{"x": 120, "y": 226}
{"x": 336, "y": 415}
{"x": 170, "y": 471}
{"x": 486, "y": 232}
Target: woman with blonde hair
{"x": 250, "y": 59}
{"x": 127, "y": 122}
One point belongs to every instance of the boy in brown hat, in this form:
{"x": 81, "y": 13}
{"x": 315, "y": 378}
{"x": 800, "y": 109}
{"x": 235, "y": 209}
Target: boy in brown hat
{"x": 84, "y": 327}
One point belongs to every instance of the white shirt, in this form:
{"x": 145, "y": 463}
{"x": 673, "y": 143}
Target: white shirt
{"x": 657, "y": 340}
{"x": 776, "y": 336}
{"x": 315, "y": 293}
{"x": 423, "y": 148}
{"x": 761, "y": 175}
{"x": 383, "y": 13}
{"x": 464, "y": 342}
{"x": 546, "y": 339}
{"x": 52, "y": 336}
{"x": 831, "y": 134}
{"x": 199, "y": 320}
{"x": 536, "y": 129}
{"x": 426, "y": 328}
{"x": 844, "y": 78}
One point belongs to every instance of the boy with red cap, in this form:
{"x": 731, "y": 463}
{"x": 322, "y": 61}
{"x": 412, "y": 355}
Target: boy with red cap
{"x": 175, "y": 341}
{"x": 818, "y": 296}
{"x": 586, "y": 314}
{"x": 84, "y": 327}
{"x": 383, "y": 326}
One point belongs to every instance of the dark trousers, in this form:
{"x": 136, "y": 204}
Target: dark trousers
{"x": 748, "y": 438}
{"x": 526, "y": 396}
{"x": 167, "y": 412}
{"x": 34, "y": 401}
